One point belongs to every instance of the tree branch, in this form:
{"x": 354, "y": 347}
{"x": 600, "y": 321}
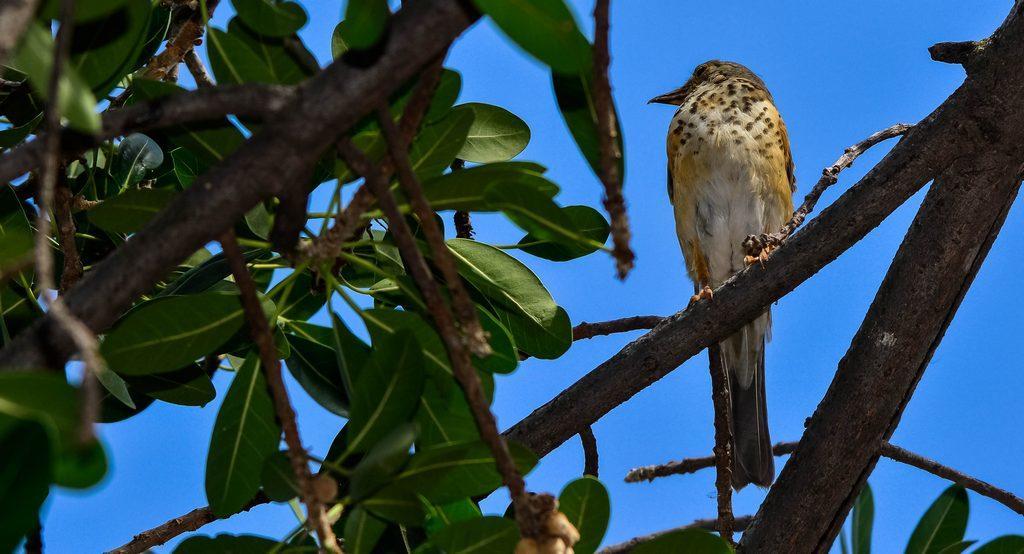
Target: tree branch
{"x": 590, "y": 330}
{"x": 197, "y": 69}
{"x": 691, "y": 465}
{"x": 264, "y": 339}
{"x": 176, "y": 526}
{"x": 723, "y": 441}
{"x": 739, "y": 524}
{"x": 329, "y": 104}
{"x": 608, "y": 143}
{"x": 15, "y": 17}
{"x": 178, "y": 47}
{"x": 934, "y": 267}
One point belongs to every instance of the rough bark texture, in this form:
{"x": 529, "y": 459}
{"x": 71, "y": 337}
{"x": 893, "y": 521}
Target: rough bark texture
{"x": 926, "y": 282}
{"x": 288, "y": 145}
{"x": 966, "y": 124}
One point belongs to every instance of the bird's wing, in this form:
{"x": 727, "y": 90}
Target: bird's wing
{"x": 778, "y": 195}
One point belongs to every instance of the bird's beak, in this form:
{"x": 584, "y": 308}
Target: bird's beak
{"x": 673, "y": 98}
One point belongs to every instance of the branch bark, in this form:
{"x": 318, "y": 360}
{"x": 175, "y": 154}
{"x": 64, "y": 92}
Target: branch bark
{"x": 590, "y": 330}
{"x": 930, "y": 275}
{"x": 15, "y": 16}
{"x": 590, "y": 454}
{"x": 328, "y": 105}
{"x": 723, "y": 441}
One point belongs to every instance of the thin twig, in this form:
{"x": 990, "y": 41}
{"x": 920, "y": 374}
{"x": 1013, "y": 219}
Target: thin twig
{"x": 261, "y": 335}
{"x": 62, "y": 210}
{"x": 691, "y": 465}
{"x": 463, "y": 225}
{"x": 755, "y": 244}
{"x": 740, "y": 524}
{"x": 590, "y": 330}
{"x": 983, "y": 488}
{"x": 608, "y": 140}
{"x": 723, "y": 441}
{"x": 161, "y": 65}
{"x": 590, "y": 456}
{"x": 182, "y": 524}
{"x": 462, "y": 304}
{"x": 84, "y": 340}
{"x": 197, "y": 69}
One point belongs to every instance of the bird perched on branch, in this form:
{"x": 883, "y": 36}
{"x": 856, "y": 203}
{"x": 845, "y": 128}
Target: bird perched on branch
{"x": 730, "y": 175}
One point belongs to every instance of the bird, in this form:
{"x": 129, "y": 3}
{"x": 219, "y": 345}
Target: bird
{"x": 731, "y": 175}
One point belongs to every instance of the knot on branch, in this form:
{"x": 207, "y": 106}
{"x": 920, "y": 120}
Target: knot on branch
{"x": 965, "y": 53}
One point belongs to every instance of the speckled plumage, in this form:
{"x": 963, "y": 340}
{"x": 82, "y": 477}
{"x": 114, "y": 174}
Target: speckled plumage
{"x": 731, "y": 175}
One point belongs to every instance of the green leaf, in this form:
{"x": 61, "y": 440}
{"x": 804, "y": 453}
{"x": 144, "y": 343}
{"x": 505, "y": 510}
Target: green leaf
{"x": 382, "y": 462}
{"x": 366, "y": 21}
{"x": 863, "y": 519}
{"x": 443, "y": 515}
{"x": 386, "y": 392}
{"x": 271, "y": 18}
{"x": 288, "y": 65}
{"x": 315, "y": 367}
{"x": 50, "y": 9}
{"x": 957, "y": 548}
{"x": 544, "y": 28}
{"x": 15, "y": 134}
{"x": 244, "y": 434}
{"x": 233, "y": 62}
{"x": 447, "y": 473}
{"x": 295, "y": 298}
{"x": 362, "y": 531}
{"x": 16, "y": 238}
{"x": 585, "y": 502}
{"x": 339, "y": 41}
{"x": 230, "y": 544}
{"x": 169, "y": 332}
{"x": 944, "y": 523}
{"x": 25, "y": 476}
{"x": 537, "y": 215}
{"x": 576, "y": 102}
{"x": 496, "y": 134}
{"x": 106, "y": 49}
{"x": 397, "y": 504}
{"x": 478, "y": 536}
{"x": 208, "y": 273}
{"x": 137, "y": 155}
{"x": 115, "y": 385}
{"x": 1007, "y": 544}
{"x": 687, "y": 541}
{"x": 437, "y": 145}
{"x": 278, "y": 477}
{"x": 42, "y": 397}
{"x": 585, "y": 222}
{"x": 186, "y": 166}
{"x": 189, "y": 386}
{"x": 80, "y": 466}
{"x": 34, "y": 58}
{"x": 539, "y": 326}
{"x": 130, "y": 211}
{"x": 444, "y": 416}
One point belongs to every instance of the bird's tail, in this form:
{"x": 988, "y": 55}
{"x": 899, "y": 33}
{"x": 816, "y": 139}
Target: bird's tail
{"x": 743, "y": 359}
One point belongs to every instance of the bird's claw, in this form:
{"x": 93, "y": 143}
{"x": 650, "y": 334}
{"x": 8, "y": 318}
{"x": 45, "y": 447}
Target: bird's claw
{"x": 761, "y": 257}
{"x": 705, "y": 292}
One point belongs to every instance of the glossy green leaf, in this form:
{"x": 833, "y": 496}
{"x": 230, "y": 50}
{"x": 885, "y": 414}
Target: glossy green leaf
{"x": 366, "y": 21}
{"x": 17, "y": 133}
{"x": 443, "y": 515}
{"x": 295, "y": 298}
{"x": 231, "y": 544}
{"x": 478, "y": 536}
{"x": 522, "y": 304}
{"x": 382, "y": 462}
{"x": 544, "y": 28}
{"x": 136, "y": 155}
{"x": 943, "y": 525}
{"x": 537, "y": 214}
{"x": 387, "y": 390}
{"x": 288, "y": 65}
{"x": 575, "y": 100}
{"x": 437, "y": 145}
{"x": 451, "y": 472}
{"x": 189, "y": 386}
{"x": 957, "y": 548}
{"x": 130, "y": 211}
{"x": 25, "y": 476}
{"x": 16, "y": 237}
{"x": 50, "y": 9}
{"x": 170, "y": 332}
{"x": 687, "y": 541}
{"x": 315, "y": 367}
{"x": 444, "y": 416}
{"x": 106, "y": 49}
{"x": 278, "y": 477}
{"x": 496, "y": 134}
{"x": 1007, "y": 544}
{"x": 244, "y": 435}
{"x": 208, "y": 273}
{"x": 862, "y": 521}
{"x": 585, "y": 221}
{"x": 233, "y": 62}
{"x": 272, "y": 18}
{"x": 43, "y": 397}
{"x": 586, "y": 503}
{"x": 115, "y": 385}
{"x": 362, "y": 531}
{"x": 75, "y": 100}
{"x": 342, "y": 339}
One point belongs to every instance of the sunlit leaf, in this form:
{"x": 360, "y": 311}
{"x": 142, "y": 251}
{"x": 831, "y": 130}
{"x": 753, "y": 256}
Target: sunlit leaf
{"x": 536, "y": 214}
{"x": 233, "y": 62}
{"x": 496, "y": 134}
{"x": 450, "y": 472}
{"x": 437, "y": 145}
{"x": 585, "y": 502}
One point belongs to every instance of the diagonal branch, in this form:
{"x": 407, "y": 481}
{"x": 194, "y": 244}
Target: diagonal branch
{"x": 261, "y": 334}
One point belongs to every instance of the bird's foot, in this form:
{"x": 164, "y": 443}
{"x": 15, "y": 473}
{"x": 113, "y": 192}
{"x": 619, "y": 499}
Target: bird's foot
{"x": 705, "y": 292}
{"x": 761, "y": 256}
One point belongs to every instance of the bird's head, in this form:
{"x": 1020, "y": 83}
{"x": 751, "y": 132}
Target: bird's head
{"x": 709, "y": 71}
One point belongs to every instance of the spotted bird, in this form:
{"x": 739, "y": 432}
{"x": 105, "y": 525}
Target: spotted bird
{"x": 730, "y": 175}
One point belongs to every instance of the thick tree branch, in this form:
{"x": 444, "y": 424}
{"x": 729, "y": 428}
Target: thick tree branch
{"x": 330, "y": 103}
{"x": 261, "y": 334}
{"x": 177, "y": 526}
{"x": 930, "y": 275}
{"x": 739, "y": 524}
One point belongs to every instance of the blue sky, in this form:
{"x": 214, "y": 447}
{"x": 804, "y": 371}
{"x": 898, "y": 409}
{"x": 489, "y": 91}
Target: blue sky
{"x": 838, "y": 73}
